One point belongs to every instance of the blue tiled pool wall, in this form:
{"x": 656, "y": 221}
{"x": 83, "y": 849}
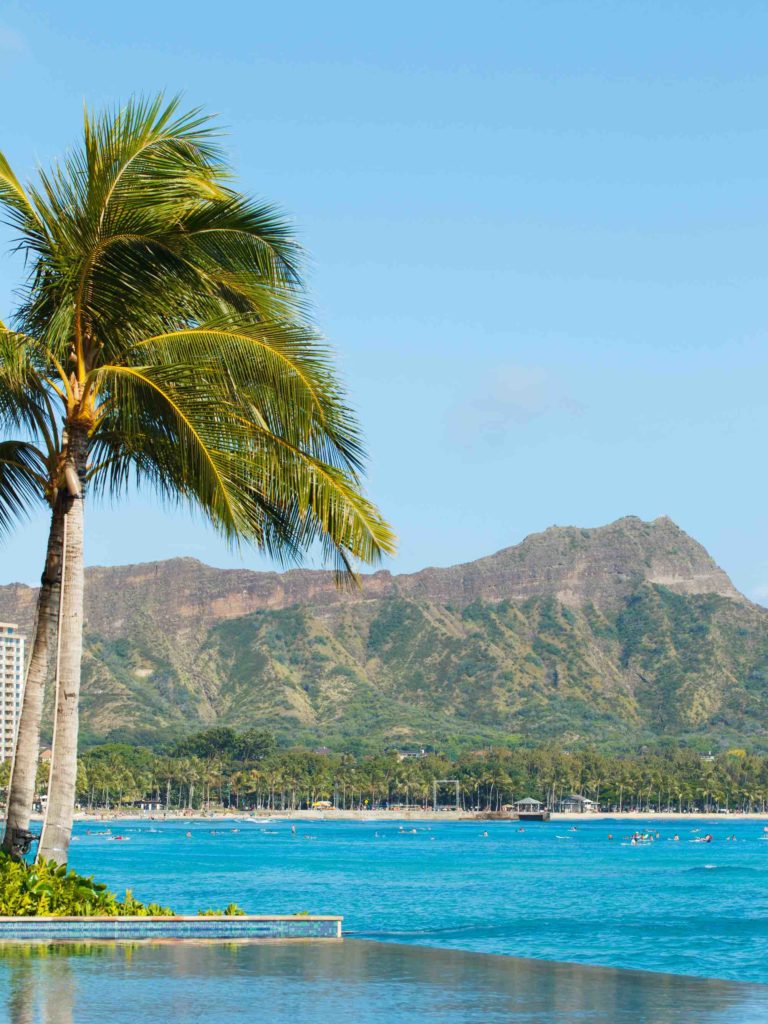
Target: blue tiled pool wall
{"x": 170, "y": 928}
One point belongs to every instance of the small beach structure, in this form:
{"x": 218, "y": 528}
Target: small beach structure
{"x": 528, "y": 804}
{"x": 577, "y": 804}
{"x": 529, "y": 809}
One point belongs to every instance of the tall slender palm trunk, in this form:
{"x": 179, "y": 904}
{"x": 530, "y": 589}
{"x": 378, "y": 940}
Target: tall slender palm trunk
{"x": 57, "y": 827}
{"x": 21, "y": 790}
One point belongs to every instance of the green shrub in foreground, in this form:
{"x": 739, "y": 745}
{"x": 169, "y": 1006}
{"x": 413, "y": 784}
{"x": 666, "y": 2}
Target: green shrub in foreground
{"x": 232, "y": 910}
{"x": 45, "y": 888}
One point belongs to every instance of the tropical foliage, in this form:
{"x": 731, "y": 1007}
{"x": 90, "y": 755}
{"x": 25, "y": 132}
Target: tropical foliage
{"x": 47, "y": 889}
{"x": 231, "y": 910}
{"x": 211, "y": 771}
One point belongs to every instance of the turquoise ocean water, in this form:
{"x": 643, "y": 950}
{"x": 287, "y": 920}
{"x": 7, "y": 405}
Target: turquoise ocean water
{"x": 548, "y": 892}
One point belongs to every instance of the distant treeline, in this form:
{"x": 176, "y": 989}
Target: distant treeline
{"x": 221, "y": 768}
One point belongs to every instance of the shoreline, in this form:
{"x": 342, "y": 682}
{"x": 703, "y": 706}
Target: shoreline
{"x": 433, "y": 817}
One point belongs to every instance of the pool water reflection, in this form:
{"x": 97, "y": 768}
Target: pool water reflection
{"x": 353, "y": 981}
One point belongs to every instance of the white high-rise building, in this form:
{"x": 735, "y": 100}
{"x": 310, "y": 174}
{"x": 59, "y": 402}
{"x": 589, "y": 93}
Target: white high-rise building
{"x": 11, "y": 685}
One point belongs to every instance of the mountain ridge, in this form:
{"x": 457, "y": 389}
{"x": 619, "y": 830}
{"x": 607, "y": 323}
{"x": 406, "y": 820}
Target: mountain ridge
{"x": 613, "y": 634}
{"x": 287, "y": 584}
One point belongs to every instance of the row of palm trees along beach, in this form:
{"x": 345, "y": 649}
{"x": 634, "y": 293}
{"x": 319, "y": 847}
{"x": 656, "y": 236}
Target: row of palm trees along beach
{"x": 218, "y": 771}
{"x": 162, "y": 339}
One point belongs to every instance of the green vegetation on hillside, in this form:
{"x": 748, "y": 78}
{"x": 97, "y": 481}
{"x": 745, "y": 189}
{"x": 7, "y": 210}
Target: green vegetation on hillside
{"x": 401, "y": 671}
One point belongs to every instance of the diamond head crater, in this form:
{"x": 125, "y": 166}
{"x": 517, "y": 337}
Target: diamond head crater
{"x": 619, "y": 635}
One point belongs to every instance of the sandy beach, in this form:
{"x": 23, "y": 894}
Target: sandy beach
{"x": 412, "y": 814}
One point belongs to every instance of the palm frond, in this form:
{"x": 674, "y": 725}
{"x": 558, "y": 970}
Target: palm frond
{"x": 171, "y": 404}
{"x": 22, "y": 482}
{"x": 322, "y": 503}
{"x": 173, "y": 320}
{"x": 279, "y": 371}
{"x": 21, "y": 212}
{"x": 25, "y": 404}
{"x": 235, "y": 468}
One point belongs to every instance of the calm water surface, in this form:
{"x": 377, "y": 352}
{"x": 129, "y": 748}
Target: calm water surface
{"x": 678, "y": 907}
{"x": 358, "y": 982}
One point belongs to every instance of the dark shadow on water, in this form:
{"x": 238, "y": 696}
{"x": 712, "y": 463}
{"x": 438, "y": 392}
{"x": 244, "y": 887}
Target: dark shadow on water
{"x": 346, "y": 983}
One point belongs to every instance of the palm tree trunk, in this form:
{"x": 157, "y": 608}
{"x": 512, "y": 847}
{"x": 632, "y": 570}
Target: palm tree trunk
{"x": 21, "y": 789}
{"x": 57, "y": 828}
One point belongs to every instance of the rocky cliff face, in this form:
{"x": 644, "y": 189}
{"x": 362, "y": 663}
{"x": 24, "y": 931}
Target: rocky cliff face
{"x": 598, "y": 566}
{"x": 579, "y": 567}
{"x": 623, "y": 631}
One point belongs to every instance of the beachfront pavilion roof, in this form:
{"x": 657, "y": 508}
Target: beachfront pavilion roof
{"x": 529, "y": 802}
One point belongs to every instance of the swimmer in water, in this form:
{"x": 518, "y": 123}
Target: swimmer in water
{"x": 189, "y": 835}
{"x": 484, "y": 835}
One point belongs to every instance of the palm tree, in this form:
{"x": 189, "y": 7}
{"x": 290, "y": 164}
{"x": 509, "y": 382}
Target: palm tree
{"x": 165, "y": 313}
{"x": 31, "y": 473}
{"x": 27, "y": 476}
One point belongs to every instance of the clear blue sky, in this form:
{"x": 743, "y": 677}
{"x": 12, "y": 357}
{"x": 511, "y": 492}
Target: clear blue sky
{"x": 539, "y": 235}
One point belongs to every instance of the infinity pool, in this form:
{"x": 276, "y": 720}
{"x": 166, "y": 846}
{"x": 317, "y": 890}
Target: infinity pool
{"x": 358, "y": 982}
